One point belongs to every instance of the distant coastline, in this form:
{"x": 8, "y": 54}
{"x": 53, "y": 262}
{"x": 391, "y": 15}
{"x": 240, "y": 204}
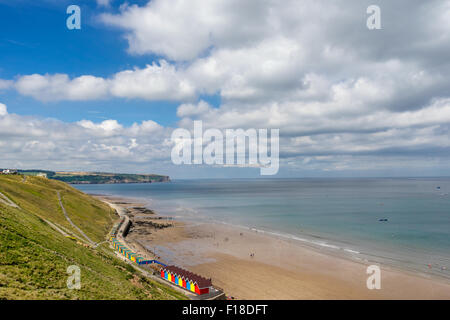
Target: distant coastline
{"x": 97, "y": 177}
{"x": 115, "y": 182}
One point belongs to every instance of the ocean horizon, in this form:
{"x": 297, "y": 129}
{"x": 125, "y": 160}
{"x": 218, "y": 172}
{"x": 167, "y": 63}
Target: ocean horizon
{"x": 399, "y": 222}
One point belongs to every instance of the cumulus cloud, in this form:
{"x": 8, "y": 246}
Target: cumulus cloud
{"x": 313, "y": 130}
{"x": 3, "y": 109}
{"x": 158, "y": 81}
{"x": 31, "y": 142}
{"x": 155, "y": 82}
{"x": 103, "y": 3}
{"x": 6, "y": 84}
{"x": 338, "y": 92}
{"x": 60, "y": 87}
{"x": 181, "y": 30}
{"x": 192, "y": 110}
{"x": 104, "y": 128}
{"x": 272, "y": 51}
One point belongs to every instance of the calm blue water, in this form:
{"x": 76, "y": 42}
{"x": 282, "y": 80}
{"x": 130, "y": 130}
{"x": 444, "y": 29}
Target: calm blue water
{"x": 332, "y": 214}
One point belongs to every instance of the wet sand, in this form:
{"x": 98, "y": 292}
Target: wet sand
{"x": 280, "y": 268}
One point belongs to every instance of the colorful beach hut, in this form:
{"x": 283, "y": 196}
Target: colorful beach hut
{"x": 130, "y": 255}
{"x": 186, "y": 279}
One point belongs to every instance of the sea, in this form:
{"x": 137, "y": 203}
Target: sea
{"x": 399, "y": 222}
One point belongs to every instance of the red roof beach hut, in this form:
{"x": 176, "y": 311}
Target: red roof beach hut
{"x": 186, "y": 279}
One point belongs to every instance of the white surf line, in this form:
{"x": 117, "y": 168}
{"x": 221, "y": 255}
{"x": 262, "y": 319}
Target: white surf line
{"x": 7, "y": 201}
{"x": 73, "y": 225}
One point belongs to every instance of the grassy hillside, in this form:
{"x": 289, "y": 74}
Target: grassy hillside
{"x": 34, "y": 256}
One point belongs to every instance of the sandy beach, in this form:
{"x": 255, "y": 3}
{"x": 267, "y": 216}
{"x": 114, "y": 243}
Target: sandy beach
{"x": 251, "y": 265}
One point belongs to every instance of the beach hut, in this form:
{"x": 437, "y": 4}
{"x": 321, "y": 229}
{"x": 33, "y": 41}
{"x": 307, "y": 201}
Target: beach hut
{"x": 186, "y": 279}
{"x": 130, "y": 255}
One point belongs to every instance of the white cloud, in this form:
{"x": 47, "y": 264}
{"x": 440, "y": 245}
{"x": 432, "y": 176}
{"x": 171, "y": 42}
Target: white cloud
{"x": 104, "y": 128}
{"x": 30, "y": 142}
{"x": 103, "y": 3}
{"x": 154, "y": 82}
{"x": 264, "y": 51}
{"x": 6, "y": 84}
{"x": 332, "y": 128}
{"x": 3, "y": 109}
{"x": 181, "y": 30}
{"x": 310, "y": 68}
{"x": 60, "y": 87}
{"x": 192, "y": 110}
{"x": 146, "y": 127}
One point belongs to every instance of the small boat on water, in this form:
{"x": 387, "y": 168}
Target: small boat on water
{"x": 383, "y": 220}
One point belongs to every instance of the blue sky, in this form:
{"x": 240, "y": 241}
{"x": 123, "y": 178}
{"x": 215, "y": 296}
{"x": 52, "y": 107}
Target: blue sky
{"x": 348, "y": 101}
{"x": 34, "y": 39}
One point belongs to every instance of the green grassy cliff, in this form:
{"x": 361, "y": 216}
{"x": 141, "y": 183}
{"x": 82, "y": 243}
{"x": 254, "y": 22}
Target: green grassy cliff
{"x": 38, "y": 244}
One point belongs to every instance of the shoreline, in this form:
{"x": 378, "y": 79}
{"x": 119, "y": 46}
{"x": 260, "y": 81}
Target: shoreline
{"x": 280, "y": 268}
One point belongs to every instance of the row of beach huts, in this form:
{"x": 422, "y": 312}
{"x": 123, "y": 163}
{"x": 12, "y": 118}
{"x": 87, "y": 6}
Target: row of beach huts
{"x": 176, "y": 275}
{"x": 186, "y": 279}
{"x": 129, "y": 254}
